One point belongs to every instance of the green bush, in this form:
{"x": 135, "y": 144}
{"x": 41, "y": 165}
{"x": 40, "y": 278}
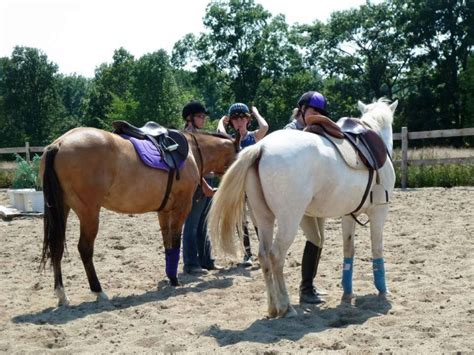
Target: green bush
{"x": 6, "y": 179}
{"x": 26, "y": 173}
{"x": 438, "y": 175}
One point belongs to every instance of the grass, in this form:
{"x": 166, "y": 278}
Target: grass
{"x": 437, "y": 175}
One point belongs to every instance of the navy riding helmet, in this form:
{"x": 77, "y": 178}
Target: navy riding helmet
{"x": 238, "y": 108}
{"x": 315, "y": 100}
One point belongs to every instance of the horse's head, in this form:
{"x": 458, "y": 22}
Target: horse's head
{"x": 379, "y": 116}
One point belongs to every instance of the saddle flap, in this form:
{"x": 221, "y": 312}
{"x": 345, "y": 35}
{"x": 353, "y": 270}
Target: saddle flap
{"x": 175, "y": 147}
{"x": 149, "y": 129}
{"x": 351, "y": 125}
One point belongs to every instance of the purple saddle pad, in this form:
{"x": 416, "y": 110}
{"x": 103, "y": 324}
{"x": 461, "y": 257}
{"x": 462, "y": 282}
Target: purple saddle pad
{"x": 149, "y": 154}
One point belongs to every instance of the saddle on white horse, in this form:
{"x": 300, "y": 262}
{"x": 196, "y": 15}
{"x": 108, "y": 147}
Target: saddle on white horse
{"x": 360, "y": 147}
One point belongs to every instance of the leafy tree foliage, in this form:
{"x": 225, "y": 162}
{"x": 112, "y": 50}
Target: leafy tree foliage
{"x": 417, "y": 51}
{"x": 30, "y": 96}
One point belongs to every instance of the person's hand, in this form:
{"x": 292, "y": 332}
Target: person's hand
{"x": 225, "y": 120}
{"x": 255, "y": 111}
{"x": 209, "y": 192}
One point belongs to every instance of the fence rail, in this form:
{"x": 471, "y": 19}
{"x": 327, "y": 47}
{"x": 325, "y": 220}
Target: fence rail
{"x": 404, "y": 136}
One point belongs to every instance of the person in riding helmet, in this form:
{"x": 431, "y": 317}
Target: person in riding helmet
{"x": 310, "y": 103}
{"x": 239, "y": 118}
{"x": 196, "y": 243}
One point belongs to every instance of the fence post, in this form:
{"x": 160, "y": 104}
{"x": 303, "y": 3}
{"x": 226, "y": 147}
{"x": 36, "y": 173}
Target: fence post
{"x": 404, "y": 166}
{"x": 27, "y": 151}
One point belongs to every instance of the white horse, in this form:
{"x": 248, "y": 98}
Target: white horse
{"x": 296, "y": 177}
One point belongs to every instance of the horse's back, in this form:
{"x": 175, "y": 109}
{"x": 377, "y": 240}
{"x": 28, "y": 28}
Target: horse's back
{"x": 103, "y": 169}
{"x": 303, "y": 169}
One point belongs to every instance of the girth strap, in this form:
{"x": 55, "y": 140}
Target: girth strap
{"x": 366, "y": 193}
{"x": 169, "y": 184}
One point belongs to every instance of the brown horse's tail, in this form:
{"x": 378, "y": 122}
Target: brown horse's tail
{"x": 227, "y": 208}
{"x": 54, "y": 212}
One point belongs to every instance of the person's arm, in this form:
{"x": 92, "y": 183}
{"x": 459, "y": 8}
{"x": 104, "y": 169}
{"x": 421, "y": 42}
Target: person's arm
{"x": 221, "y": 126}
{"x": 262, "y": 125}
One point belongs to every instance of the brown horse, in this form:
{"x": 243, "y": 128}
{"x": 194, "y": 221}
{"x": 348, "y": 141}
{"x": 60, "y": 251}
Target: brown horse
{"x": 87, "y": 168}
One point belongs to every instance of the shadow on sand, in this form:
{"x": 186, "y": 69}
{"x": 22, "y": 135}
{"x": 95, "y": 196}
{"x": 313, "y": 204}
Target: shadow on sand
{"x": 65, "y": 314}
{"x": 268, "y": 331}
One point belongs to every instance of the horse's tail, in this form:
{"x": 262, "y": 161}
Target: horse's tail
{"x": 227, "y": 209}
{"x": 54, "y": 211}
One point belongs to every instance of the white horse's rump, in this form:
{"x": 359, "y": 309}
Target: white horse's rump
{"x": 290, "y": 175}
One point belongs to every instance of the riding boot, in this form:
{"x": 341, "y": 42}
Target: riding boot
{"x": 309, "y": 268}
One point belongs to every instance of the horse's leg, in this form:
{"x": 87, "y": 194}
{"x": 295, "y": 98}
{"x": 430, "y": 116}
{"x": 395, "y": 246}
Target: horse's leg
{"x": 348, "y": 233}
{"x": 313, "y": 229}
{"x": 89, "y": 220}
{"x": 171, "y": 223}
{"x": 56, "y": 257}
{"x": 285, "y": 236}
{"x": 264, "y": 220}
{"x": 377, "y": 219}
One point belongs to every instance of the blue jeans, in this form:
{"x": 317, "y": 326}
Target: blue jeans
{"x": 196, "y": 243}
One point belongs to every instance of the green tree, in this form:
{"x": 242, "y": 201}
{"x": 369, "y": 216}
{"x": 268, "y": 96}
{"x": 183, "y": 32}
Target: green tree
{"x": 111, "y": 80}
{"x": 31, "y": 100}
{"x": 155, "y": 90}
{"x": 245, "y": 55}
{"x": 442, "y": 31}
{"x": 362, "y": 45}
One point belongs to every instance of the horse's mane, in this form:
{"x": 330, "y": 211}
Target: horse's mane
{"x": 378, "y": 112}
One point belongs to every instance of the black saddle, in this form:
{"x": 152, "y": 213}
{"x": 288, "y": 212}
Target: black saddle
{"x": 171, "y": 143}
{"x": 367, "y": 142}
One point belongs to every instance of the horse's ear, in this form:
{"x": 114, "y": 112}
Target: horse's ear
{"x": 237, "y": 141}
{"x": 362, "y": 107}
{"x": 394, "y": 105}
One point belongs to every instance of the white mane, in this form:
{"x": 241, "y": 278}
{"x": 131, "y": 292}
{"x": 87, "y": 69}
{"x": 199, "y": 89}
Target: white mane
{"x": 379, "y": 113}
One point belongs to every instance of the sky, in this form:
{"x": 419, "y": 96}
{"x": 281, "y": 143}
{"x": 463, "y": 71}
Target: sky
{"x": 79, "y": 35}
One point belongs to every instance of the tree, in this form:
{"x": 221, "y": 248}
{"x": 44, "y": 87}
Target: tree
{"x": 31, "y": 101}
{"x": 155, "y": 90}
{"x": 111, "y": 80}
{"x": 443, "y": 33}
{"x": 245, "y": 55}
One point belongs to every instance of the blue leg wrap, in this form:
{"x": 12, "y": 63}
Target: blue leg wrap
{"x": 172, "y": 259}
{"x": 379, "y": 275}
{"x": 347, "y": 275}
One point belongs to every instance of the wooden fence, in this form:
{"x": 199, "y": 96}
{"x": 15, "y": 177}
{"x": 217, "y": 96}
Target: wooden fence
{"x": 404, "y": 136}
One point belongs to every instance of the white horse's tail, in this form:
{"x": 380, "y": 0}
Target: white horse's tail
{"x": 227, "y": 208}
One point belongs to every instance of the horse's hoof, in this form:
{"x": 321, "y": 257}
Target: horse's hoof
{"x": 174, "y": 281}
{"x": 290, "y": 313}
{"x": 63, "y": 302}
{"x": 272, "y": 312}
{"x": 347, "y": 297}
{"x": 101, "y": 296}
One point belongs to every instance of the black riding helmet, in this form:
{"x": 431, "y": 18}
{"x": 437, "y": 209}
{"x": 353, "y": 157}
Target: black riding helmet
{"x": 192, "y": 108}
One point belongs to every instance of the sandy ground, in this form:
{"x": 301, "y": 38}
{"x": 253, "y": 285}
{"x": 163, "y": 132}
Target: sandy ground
{"x": 429, "y": 253}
